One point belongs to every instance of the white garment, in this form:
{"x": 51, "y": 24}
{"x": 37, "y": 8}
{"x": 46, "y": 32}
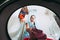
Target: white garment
{"x": 18, "y": 35}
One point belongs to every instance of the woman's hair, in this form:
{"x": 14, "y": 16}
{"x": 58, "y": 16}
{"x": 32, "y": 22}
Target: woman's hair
{"x": 32, "y": 15}
{"x": 25, "y": 10}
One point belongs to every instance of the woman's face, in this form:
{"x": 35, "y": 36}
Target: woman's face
{"x": 32, "y": 19}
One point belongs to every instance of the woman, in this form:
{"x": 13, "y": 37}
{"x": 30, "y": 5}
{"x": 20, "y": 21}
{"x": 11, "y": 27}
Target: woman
{"x": 31, "y": 25}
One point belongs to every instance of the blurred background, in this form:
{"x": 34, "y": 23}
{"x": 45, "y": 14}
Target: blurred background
{"x": 57, "y": 1}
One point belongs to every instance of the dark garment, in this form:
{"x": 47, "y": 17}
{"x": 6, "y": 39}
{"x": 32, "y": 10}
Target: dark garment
{"x": 36, "y": 34}
{"x": 22, "y": 12}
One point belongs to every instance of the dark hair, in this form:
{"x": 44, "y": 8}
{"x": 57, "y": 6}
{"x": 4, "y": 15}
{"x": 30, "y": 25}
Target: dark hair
{"x": 26, "y": 10}
{"x": 32, "y": 15}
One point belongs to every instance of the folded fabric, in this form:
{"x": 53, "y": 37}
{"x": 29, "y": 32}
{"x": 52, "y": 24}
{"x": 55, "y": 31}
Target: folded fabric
{"x": 36, "y": 34}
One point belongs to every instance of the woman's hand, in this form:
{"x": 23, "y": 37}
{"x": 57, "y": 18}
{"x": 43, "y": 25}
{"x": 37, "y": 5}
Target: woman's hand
{"x": 28, "y": 29}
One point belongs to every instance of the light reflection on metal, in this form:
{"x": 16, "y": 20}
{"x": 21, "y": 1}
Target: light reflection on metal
{"x": 4, "y": 2}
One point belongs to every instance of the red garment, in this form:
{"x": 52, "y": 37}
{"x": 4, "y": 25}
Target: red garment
{"x": 49, "y": 39}
{"x": 21, "y": 16}
{"x": 26, "y": 38}
{"x": 46, "y": 39}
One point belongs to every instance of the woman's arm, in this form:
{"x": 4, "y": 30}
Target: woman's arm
{"x": 28, "y": 29}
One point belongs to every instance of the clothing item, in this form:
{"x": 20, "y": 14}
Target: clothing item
{"x": 36, "y": 34}
{"x": 21, "y": 16}
{"x": 20, "y": 33}
{"x": 26, "y": 38}
{"x": 31, "y": 24}
{"x": 22, "y": 12}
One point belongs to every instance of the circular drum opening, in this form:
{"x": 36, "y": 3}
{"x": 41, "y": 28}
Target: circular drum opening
{"x": 35, "y": 16}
